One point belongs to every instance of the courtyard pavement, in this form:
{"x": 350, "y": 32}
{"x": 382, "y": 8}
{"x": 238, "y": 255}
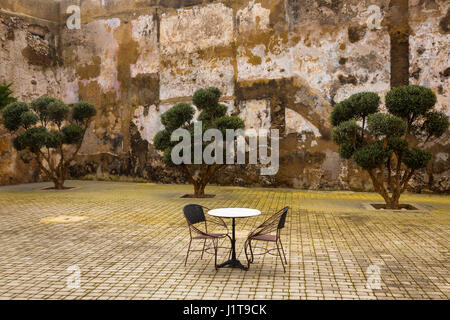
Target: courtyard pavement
{"x": 129, "y": 241}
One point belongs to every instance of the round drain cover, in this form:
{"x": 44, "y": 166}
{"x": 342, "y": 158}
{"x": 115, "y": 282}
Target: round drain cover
{"x": 63, "y": 219}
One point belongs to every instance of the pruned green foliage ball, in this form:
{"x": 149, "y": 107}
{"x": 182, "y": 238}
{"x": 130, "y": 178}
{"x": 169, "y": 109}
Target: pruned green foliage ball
{"x": 177, "y": 116}
{"x": 207, "y": 99}
{"x": 33, "y": 139}
{"x": 346, "y": 150}
{"x": 397, "y": 145}
{"x": 162, "y": 140}
{"x": 28, "y": 119}
{"x": 345, "y": 132}
{"x": 384, "y": 124}
{"x": 435, "y": 124}
{"x": 410, "y": 101}
{"x": 364, "y": 104}
{"x": 82, "y": 111}
{"x": 416, "y": 158}
{"x": 341, "y": 112}
{"x": 40, "y": 106}
{"x": 357, "y": 106}
{"x": 12, "y": 115}
{"x": 57, "y": 112}
{"x": 72, "y": 134}
{"x": 55, "y": 139}
{"x": 167, "y": 157}
{"x": 219, "y": 112}
{"x": 228, "y": 122}
{"x": 371, "y": 156}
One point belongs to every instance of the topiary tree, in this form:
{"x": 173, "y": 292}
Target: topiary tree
{"x": 212, "y": 116}
{"x": 389, "y": 146}
{"x": 49, "y": 130}
{"x": 5, "y": 95}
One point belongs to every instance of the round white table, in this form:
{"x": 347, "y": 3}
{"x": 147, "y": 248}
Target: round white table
{"x": 233, "y": 213}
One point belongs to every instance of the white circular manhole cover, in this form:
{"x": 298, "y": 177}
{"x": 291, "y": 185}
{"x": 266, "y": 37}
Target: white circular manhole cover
{"x": 63, "y": 219}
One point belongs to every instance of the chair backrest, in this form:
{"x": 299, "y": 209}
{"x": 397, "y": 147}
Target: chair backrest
{"x": 275, "y": 223}
{"x": 194, "y": 213}
{"x": 282, "y": 220}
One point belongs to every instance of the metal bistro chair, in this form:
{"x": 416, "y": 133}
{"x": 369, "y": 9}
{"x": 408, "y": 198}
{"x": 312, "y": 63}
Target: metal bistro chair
{"x": 194, "y": 215}
{"x": 264, "y": 232}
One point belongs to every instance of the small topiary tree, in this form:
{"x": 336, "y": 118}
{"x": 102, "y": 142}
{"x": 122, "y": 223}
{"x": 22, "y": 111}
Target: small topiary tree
{"x": 213, "y": 116}
{"x": 51, "y": 131}
{"x": 389, "y": 146}
{"x": 5, "y": 95}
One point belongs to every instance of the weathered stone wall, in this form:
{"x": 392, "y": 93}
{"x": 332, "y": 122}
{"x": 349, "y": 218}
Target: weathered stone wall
{"x": 429, "y": 52}
{"x": 279, "y": 63}
{"x": 29, "y": 33}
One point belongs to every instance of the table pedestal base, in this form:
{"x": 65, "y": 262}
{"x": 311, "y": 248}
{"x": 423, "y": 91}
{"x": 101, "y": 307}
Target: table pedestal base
{"x": 233, "y": 263}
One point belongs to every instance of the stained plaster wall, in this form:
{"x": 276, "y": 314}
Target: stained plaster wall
{"x": 280, "y": 64}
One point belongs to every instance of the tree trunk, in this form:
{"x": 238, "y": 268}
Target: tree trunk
{"x": 199, "y": 190}
{"x": 393, "y": 203}
{"x": 59, "y": 183}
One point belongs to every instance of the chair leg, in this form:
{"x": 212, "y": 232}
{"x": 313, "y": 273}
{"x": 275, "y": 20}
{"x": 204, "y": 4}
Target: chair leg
{"x": 215, "y": 243}
{"x": 203, "y": 250}
{"x": 281, "y": 257}
{"x": 187, "y": 254}
{"x": 251, "y": 251}
{"x": 284, "y": 254}
{"x": 246, "y": 253}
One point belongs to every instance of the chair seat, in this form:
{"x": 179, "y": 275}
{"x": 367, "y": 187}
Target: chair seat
{"x": 210, "y": 236}
{"x": 265, "y": 237}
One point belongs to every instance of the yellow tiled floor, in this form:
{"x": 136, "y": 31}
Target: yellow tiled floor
{"x": 131, "y": 241}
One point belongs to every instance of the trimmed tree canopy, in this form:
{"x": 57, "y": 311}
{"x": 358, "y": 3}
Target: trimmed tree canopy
{"x": 49, "y": 124}
{"x": 12, "y": 115}
{"x": 178, "y": 116}
{"x": 83, "y": 111}
{"x": 410, "y": 102}
{"x": 379, "y": 142}
{"x": 383, "y": 125}
{"x": 357, "y": 107}
{"x": 212, "y": 116}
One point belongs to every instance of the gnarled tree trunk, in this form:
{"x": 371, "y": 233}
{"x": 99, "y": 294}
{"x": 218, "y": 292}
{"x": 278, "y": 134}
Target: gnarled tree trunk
{"x": 199, "y": 190}
{"x": 200, "y": 181}
{"x": 397, "y": 186}
{"x": 59, "y": 183}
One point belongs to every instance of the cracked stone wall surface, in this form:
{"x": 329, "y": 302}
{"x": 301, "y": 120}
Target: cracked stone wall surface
{"x": 280, "y": 64}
